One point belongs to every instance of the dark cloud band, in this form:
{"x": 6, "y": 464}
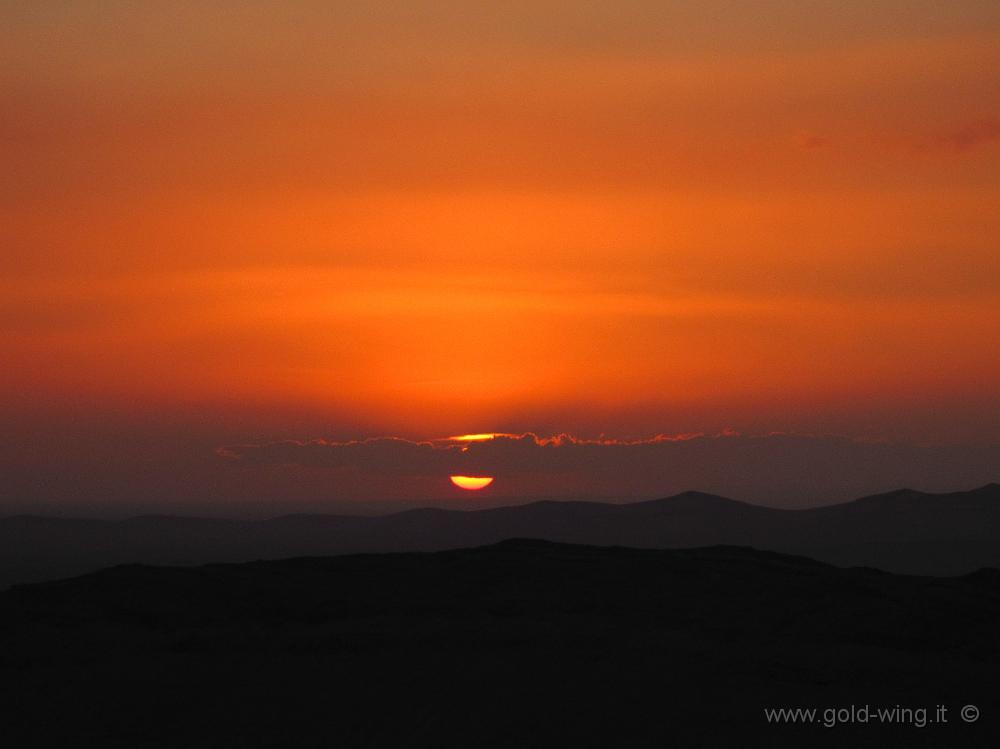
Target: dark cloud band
{"x": 743, "y": 464}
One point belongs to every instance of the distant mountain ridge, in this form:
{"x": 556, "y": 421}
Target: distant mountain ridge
{"x": 901, "y": 531}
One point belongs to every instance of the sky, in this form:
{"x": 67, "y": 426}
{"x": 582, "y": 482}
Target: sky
{"x": 228, "y": 228}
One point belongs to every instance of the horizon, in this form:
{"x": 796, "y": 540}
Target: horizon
{"x": 494, "y": 503}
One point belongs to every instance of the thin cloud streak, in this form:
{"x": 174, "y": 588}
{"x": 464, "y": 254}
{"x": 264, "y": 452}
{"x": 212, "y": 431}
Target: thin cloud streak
{"x": 971, "y": 135}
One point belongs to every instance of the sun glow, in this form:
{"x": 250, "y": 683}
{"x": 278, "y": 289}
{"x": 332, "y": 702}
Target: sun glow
{"x": 471, "y": 482}
{"x": 473, "y": 437}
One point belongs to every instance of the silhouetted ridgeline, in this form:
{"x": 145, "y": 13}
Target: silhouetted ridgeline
{"x": 903, "y": 531}
{"x": 524, "y": 643}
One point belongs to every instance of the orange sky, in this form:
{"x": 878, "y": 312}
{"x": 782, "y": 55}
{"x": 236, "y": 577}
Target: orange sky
{"x": 430, "y": 218}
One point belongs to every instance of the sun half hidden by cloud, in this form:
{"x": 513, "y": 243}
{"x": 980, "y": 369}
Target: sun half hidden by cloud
{"x": 774, "y": 467}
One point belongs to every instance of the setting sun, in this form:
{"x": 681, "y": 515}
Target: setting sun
{"x": 471, "y": 482}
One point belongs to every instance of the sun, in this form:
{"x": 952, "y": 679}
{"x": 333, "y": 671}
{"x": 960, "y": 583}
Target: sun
{"x": 471, "y": 482}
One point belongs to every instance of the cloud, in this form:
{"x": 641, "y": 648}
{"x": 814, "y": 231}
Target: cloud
{"x": 970, "y": 136}
{"x": 776, "y": 467}
{"x": 383, "y": 455}
{"x": 811, "y": 141}
{"x": 396, "y": 456}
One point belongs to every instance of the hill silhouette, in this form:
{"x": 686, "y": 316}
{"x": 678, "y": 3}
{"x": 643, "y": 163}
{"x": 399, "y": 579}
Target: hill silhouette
{"x": 903, "y": 531}
{"x": 522, "y": 643}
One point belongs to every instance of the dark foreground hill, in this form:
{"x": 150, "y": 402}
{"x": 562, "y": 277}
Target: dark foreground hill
{"x": 520, "y": 644}
{"x": 904, "y": 531}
